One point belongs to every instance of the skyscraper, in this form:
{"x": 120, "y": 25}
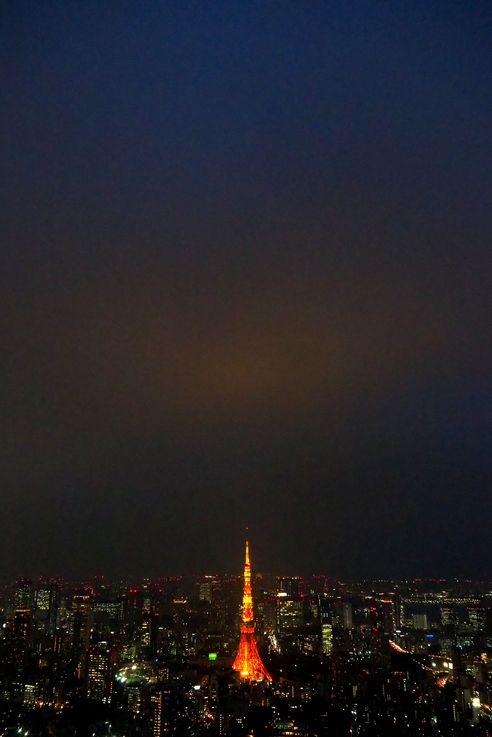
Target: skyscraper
{"x": 248, "y": 662}
{"x": 99, "y": 680}
{"x": 81, "y": 612}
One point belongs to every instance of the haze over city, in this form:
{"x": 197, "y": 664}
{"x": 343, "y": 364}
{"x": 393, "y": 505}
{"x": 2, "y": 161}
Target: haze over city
{"x": 245, "y": 280}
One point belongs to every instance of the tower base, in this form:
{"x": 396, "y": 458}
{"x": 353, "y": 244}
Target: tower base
{"x": 248, "y": 663}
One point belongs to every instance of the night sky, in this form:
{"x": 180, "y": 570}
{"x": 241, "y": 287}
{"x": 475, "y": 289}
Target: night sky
{"x": 246, "y": 279}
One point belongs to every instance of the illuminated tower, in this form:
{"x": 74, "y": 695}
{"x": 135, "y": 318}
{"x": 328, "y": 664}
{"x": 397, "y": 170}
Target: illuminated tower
{"x": 248, "y": 662}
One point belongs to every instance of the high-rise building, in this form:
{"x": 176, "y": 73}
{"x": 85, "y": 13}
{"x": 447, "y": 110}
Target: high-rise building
{"x": 156, "y": 711}
{"x": 290, "y": 622}
{"x": 290, "y": 585}
{"x": 82, "y": 612}
{"x": 326, "y": 636}
{"x": 99, "y": 672}
{"x": 398, "y": 611}
{"x": 23, "y": 594}
{"x": 477, "y": 619}
{"x": 248, "y": 662}
{"x": 388, "y": 616}
{"x": 160, "y": 702}
{"x": 22, "y": 625}
{"x": 343, "y": 614}
{"x": 420, "y": 621}
{"x": 289, "y": 615}
{"x": 148, "y": 632}
{"x": 23, "y": 612}
{"x": 46, "y": 605}
{"x": 205, "y": 587}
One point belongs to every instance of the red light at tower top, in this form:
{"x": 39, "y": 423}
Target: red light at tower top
{"x": 248, "y": 662}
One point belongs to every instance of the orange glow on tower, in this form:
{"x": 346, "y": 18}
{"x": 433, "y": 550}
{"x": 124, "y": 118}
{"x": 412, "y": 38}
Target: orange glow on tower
{"x": 248, "y": 662}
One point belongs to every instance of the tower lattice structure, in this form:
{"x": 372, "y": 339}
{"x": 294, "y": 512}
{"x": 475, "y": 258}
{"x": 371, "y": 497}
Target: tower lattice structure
{"x": 248, "y": 662}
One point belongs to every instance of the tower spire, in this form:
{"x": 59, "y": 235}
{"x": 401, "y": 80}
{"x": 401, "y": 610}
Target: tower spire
{"x": 248, "y": 662}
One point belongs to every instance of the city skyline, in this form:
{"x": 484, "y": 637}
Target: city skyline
{"x": 170, "y": 657}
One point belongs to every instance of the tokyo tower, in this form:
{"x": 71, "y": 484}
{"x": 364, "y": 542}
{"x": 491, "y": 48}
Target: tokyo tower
{"x": 248, "y": 662}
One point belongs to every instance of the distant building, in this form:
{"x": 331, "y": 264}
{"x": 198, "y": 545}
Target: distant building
{"x": 22, "y": 625}
{"x": 160, "y": 702}
{"x": 388, "y": 616}
{"x": 326, "y": 637}
{"x": 420, "y": 621}
{"x": 23, "y": 594}
{"x": 291, "y": 585}
{"x": 81, "y": 632}
{"x": 99, "y": 675}
{"x": 343, "y": 614}
{"x": 289, "y": 615}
